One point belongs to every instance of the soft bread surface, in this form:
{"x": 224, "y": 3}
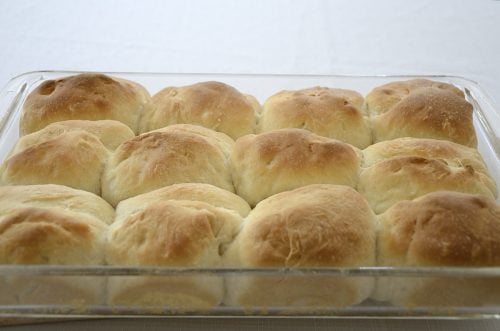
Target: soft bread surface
{"x": 51, "y": 225}
{"x": 73, "y": 158}
{"x": 428, "y": 113}
{"x": 86, "y": 97}
{"x": 408, "y": 177}
{"x": 448, "y": 151}
{"x": 312, "y": 226}
{"x": 315, "y": 225}
{"x": 213, "y": 105}
{"x": 440, "y": 229}
{"x": 382, "y": 98}
{"x": 171, "y": 233}
{"x": 210, "y": 194}
{"x": 330, "y": 112}
{"x": 181, "y": 153}
{"x": 110, "y": 133}
{"x": 34, "y": 235}
{"x": 55, "y": 196}
{"x": 174, "y": 233}
{"x": 281, "y": 160}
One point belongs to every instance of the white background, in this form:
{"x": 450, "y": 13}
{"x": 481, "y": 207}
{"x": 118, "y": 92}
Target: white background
{"x": 309, "y": 37}
{"x": 323, "y": 37}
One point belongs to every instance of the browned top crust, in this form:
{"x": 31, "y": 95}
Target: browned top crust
{"x": 86, "y": 97}
{"x": 441, "y": 229}
{"x": 213, "y": 105}
{"x": 330, "y": 112}
{"x": 381, "y": 99}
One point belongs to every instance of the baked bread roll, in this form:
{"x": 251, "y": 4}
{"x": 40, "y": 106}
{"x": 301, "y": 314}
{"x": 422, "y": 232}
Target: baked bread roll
{"x": 170, "y": 233}
{"x": 55, "y": 196}
{"x": 408, "y": 177}
{"x": 422, "y": 109}
{"x": 312, "y": 226}
{"x": 277, "y": 161}
{"x": 451, "y": 153}
{"x": 382, "y": 98}
{"x": 440, "y": 229}
{"x": 34, "y": 235}
{"x": 40, "y": 234}
{"x": 330, "y": 112}
{"x": 180, "y": 153}
{"x": 85, "y": 97}
{"x": 74, "y": 158}
{"x": 110, "y": 133}
{"x": 428, "y": 113}
{"x": 213, "y": 105}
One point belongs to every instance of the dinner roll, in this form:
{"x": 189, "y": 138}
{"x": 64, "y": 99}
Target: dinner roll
{"x": 451, "y": 153}
{"x": 55, "y": 196}
{"x": 313, "y": 226}
{"x": 169, "y": 233}
{"x": 408, "y": 177}
{"x": 330, "y": 112}
{"x": 74, "y": 158}
{"x": 382, "y": 98}
{"x": 277, "y": 161}
{"x": 54, "y": 236}
{"x": 192, "y": 192}
{"x": 180, "y": 153}
{"x": 214, "y": 105}
{"x": 85, "y": 96}
{"x": 428, "y": 113}
{"x": 110, "y": 133}
{"x": 34, "y": 235}
{"x": 440, "y": 229}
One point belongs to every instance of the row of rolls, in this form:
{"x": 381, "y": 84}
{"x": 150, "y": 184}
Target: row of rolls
{"x": 105, "y": 158}
{"x": 203, "y": 176}
{"x": 86, "y": 139}
{"x": 416, "y": 108}
{"x": 200, "y": 226}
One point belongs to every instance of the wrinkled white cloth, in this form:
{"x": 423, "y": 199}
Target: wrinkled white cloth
{"x": 289, "y": 37}
{"x": 300, "y": 37}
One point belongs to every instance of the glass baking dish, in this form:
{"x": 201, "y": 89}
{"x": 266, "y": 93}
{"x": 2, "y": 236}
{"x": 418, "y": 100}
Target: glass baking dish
{"x": 76, "y": 291}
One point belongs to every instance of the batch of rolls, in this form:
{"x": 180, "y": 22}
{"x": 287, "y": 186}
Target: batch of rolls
{"x": 203, "y": 176}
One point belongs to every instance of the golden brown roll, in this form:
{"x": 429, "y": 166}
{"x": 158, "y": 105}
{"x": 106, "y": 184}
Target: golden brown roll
{"x": 110, "y": 133}
{"x": 312, "y": 226}
{"x": 34, "y": 235}
{"x": 440, "y": 229}
{"x": 330, "y": 112}
{"x": 427, "y": 112}
{"x": 85, "y": 97}
{"x": 451, "y": 153}
{"x": 381, "y": 99}
{"x": 75, "y": 159}
{"x": 277, "y": 161}
{"x": 52, "y": 236}
{"x": 170, "y": 233}
{"x": 213, "y": 105}
{"x": 181, "y": 153}
{"x": 55, "y": 196}
{"x": 408, "y": 177}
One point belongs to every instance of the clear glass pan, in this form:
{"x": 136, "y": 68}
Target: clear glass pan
{"x": 82, "y": 291}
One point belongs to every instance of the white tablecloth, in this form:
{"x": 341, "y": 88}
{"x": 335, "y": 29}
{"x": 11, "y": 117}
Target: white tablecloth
{"x": 308, "y": 37}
